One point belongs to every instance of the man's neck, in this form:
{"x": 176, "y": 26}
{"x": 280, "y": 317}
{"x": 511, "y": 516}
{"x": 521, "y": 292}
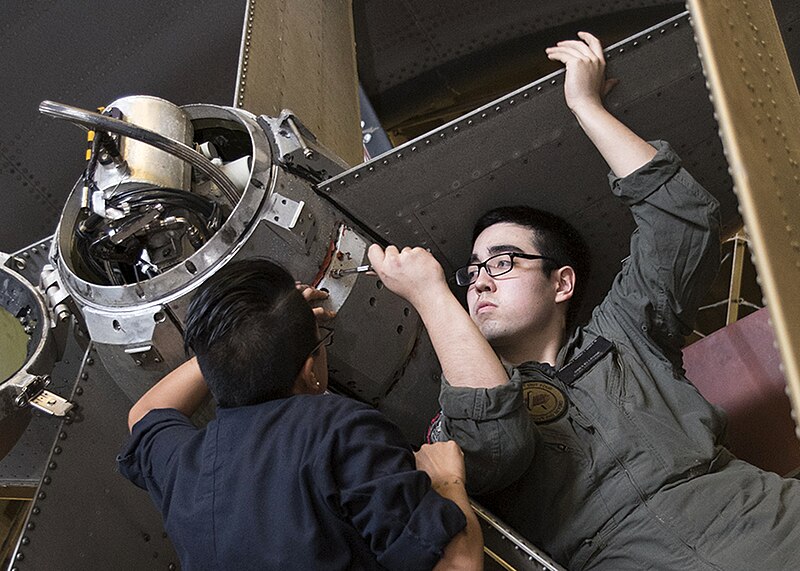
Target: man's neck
{"x": 542, "y": 347}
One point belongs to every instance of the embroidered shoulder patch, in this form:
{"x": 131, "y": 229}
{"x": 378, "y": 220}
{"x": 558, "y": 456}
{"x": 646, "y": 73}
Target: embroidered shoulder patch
{"x": 545, "y": 402}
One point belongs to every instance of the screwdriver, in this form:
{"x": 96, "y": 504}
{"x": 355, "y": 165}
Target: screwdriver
{"x": 338, "y": 273}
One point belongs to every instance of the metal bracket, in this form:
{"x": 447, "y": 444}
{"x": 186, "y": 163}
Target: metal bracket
{"x": 57, "y": 297}
{"x": 298, "y": 148}
{"x": 35, "y": 395}
{"x": 145, "y": 356}
{"x": 283, "y": 211}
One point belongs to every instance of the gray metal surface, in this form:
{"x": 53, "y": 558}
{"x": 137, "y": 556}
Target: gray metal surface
{"x": 21, "y": 296}
{"x": 528, "y": 148}
{"x": 26, "y": 462}
{"x": 432, "y": 34}
{"x": 85, "y": 515}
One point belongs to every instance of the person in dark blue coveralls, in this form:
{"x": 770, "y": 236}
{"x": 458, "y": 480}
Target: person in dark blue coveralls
{"x": 587, "y": 438}
{"x": 287, "y": 476}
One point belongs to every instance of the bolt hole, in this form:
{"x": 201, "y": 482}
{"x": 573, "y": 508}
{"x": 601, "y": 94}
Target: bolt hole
{"x": 159, "y": 317}
{"x": 406, "y": 311}
{"x": 191, "y": 267}
{"x": 372, "y": 301}
{"x": 399, "y": 329}
{"x": 379, "y": 284}
{"x": 115, "y": 324}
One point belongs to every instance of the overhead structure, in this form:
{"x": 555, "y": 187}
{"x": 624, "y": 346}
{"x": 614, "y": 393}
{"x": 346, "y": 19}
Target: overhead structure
{"x": 758, "y": 106}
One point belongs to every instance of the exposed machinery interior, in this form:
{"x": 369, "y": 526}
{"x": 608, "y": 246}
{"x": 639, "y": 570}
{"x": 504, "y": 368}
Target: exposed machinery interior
{"x": 176, "y": 169}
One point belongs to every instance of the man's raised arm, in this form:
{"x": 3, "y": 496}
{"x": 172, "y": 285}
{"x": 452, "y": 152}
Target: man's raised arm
{"x": 585, "y": 84}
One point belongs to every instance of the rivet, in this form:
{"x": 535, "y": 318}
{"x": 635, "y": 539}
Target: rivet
{"x": 41, "y": 495}
{"x": 90, "y": 361}
{"x": 31, "y": 526}
{"x": 63, "y": 435}
{"x": 84, "y": 376}
{"x": 57, "y": 450}
{"x": 52, "y": 466}
{"x": 47, "y": 479}
{"x": 36, "y": 510}
{"x": 25, "y": 541}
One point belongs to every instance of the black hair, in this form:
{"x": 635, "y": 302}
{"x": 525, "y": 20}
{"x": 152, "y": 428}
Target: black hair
{"x": 553, "y": 237}
{"x": 251, "y": 331}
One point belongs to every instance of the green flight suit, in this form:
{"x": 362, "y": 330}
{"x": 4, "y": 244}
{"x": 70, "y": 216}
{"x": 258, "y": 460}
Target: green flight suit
{"x": 634, "y": 473}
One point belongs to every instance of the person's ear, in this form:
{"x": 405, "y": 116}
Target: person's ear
{"x": 306, "y": 381}
{"x": 565, "y": 284}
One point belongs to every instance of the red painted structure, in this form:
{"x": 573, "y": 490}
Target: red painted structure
{"x": 739, "y": 369}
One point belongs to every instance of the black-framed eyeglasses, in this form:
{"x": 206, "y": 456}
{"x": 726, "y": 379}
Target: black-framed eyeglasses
{"x": 494, "y": 266}
{"x": 325, "y": 340}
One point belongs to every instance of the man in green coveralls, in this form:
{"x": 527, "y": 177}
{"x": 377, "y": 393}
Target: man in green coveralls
{"x": 616, "y": 462}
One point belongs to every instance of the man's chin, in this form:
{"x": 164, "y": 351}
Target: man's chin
{"x": 493, "y": 332}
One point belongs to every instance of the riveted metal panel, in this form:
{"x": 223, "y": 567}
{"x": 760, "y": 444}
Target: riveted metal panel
{"x": 527, "y": 148}
{"x": 756, "y": 99}
{"x": 85, "y": 515}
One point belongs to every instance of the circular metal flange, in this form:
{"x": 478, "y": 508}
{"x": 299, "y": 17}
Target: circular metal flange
{"x": 174, "y": 282}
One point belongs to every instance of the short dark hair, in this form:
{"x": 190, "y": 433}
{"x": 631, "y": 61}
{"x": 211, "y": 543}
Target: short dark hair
{"x": 554, "y": 237}
{"x": 251, "y": 331}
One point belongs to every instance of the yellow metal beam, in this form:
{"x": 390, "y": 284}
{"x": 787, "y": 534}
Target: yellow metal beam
{"x": 758, "y": 108}
{"x": 301, "y": 56}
